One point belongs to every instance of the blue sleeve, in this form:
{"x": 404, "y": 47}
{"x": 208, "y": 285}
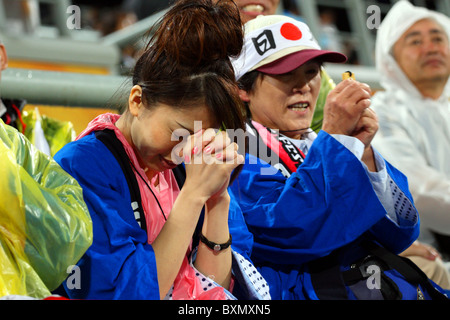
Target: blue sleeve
{"x": 328, "y": 203}
{"x": 249, "y": 284}
{"x": 120, "y": 264}
{"x": 242, "y": 238}
{"x": 407, "y": 227}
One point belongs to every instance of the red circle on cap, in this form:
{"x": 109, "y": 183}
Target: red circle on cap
{"x": 291, "y": 31}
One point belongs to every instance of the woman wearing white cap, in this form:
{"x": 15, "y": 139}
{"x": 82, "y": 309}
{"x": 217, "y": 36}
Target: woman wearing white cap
{"x": 315, "y": 203}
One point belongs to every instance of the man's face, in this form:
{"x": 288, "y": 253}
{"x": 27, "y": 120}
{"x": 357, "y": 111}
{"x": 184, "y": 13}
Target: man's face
{"x": 3, "y": 59}
{"x": 423, "y": 53}
{"x": 250, "y": 9}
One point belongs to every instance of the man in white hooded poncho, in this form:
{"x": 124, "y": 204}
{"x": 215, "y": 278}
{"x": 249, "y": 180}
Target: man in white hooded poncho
{"x": 413, "y": 59}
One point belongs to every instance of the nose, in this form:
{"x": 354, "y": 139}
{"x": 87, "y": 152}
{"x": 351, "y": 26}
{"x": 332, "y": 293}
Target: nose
{"x": 302, "y": 87}
{"x": 432, "y": 46}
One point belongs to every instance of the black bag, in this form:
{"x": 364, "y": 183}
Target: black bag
{"x": 331, "y": 283}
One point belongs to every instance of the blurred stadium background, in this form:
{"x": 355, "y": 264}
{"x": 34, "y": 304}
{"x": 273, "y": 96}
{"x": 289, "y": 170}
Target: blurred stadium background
{"x": 73, "y": 70}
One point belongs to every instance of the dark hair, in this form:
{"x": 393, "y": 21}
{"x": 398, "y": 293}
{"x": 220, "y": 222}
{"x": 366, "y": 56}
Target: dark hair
{"x": 187, "y": 60}
{"x": 247, "y": 83}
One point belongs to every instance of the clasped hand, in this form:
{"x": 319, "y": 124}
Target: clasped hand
{"x": 210, "y": 158}
{"x": 347, "y": 112}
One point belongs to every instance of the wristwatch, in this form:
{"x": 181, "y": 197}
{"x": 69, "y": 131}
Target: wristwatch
{"x": 215, "y": 246}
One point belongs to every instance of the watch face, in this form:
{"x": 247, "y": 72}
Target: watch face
{"x": 217, "y": 247}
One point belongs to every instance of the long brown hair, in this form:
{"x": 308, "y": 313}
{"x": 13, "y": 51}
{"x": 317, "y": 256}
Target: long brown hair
{"x": 186, "y": 61}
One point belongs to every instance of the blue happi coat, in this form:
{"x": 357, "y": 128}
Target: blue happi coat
{"x": 120, "y": 264}
{"x": 328, "y": 203}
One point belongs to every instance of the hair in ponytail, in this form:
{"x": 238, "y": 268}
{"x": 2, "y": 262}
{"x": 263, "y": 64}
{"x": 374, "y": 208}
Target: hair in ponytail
{"x": 186, "y": 61}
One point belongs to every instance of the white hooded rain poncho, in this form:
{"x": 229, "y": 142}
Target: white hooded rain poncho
{"x": 414, "y": 133}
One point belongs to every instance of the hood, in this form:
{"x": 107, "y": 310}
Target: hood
{"x": 398, "y": 20}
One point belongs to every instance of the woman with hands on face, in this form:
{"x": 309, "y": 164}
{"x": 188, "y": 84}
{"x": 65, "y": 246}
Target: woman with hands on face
{"x": 314, "y": 201}
{"x": 183, "y": 79}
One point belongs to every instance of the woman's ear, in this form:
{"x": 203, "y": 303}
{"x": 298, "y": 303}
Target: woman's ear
{"x": 135, "y": 100}
{"x": 244, "y": 95}
{"x": 3, "y": 58}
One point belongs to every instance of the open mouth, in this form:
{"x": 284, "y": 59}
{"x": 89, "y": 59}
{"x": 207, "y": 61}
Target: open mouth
{"x": 167, "y": 164}
{"x": 253, "y": 8}
{"x": 299, "y": 107}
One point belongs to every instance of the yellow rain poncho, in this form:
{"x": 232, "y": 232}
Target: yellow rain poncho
{"x": 45, "y": 226}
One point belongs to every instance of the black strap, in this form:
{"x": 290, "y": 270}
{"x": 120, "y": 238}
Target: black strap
{"x": 410, "y": 271}
{"x": 180, "y": 175}
{"x": 330, "y": 283}
{"x": 326, "y": 278}
{"x": 109, "y": 139}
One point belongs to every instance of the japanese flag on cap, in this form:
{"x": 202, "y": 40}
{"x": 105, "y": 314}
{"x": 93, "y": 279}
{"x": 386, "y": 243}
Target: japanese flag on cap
{"x": 277, "y": 44}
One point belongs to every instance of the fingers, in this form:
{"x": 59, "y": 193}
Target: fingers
{"x": 368, "y": 119}
{"x": 356, "y": 95}
{"x": 366, "y": 127}
{"x": 345, "y": 106}
{"x": 229, "y": 155}
{"x": 421, "y": 250}
{"x": 352, "y": 89}
{"x": 222, "y": 150}
{"x": 215, "y": 142}
{"x": 192, "y": 146}
{"x": 428, "y": 252}
{"x": 210, "y": 146}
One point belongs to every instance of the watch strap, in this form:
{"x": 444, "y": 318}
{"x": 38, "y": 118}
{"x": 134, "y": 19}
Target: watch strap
{"x": 215, "y": 246}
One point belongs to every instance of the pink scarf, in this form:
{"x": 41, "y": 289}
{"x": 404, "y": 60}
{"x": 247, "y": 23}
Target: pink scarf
{"x": 186, "y": 285}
